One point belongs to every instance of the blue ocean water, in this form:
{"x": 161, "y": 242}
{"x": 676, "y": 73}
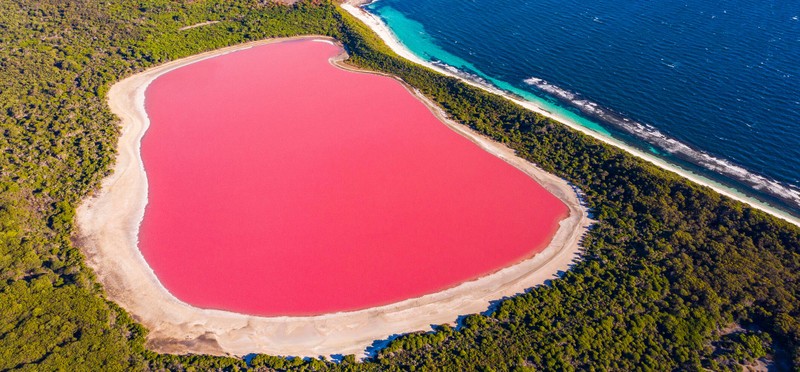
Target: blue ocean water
{"x": 713, "y": 86}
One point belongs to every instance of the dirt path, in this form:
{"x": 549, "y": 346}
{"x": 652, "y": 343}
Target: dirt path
{"x": 201, "y": 24}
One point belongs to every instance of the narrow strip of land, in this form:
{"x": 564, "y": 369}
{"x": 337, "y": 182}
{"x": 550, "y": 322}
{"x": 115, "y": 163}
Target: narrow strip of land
{"x": 109, "y": 223}
{"x": 382, "y": 30}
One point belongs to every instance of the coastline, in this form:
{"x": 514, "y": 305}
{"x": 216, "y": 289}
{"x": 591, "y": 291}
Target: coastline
{"x": 109, "y": 221}
{"x": 354, "y": 8}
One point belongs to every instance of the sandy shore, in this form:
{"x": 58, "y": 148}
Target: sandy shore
{"x": 388, "y": 37}
{"x": 109, "y": 221}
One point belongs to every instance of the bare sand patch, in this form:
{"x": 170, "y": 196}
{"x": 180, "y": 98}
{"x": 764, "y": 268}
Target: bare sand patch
{"x": 109, "y": 221}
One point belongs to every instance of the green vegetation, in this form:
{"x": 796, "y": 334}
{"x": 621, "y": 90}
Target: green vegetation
{"x": 674, "y": 276}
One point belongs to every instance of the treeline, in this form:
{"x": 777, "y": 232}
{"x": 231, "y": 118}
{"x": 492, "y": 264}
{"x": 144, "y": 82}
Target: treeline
{"x": 674, "y": 276}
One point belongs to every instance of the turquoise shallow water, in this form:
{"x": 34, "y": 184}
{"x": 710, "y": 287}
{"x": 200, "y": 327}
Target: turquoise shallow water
{"x": 414, "y": 37}
{"x": 714, "y": 88}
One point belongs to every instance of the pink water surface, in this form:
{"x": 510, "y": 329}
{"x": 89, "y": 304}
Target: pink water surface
{"x": 282, "y": 185}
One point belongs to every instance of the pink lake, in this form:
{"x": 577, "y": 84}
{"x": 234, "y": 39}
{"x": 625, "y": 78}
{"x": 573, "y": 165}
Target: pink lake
{"x": 280, "y": 184}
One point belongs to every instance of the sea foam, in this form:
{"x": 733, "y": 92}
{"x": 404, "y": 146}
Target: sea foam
{"x": 653, "y": 136}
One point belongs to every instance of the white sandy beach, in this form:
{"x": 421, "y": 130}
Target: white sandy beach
{"x": 382, "y": 30}
{"x": 109, "y": 221}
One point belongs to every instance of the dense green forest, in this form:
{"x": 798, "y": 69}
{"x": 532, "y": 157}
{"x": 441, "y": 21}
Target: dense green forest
{"x": 673, "y": 277}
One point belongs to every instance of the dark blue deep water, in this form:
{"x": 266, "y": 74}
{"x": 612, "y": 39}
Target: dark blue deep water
{"x": 711, "y": 83}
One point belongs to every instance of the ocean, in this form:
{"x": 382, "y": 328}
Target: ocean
{"x": 712, "y": 86}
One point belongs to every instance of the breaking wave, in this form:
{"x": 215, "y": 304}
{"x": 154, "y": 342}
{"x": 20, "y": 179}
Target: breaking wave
{"x": 460, "y": 72}
{"x": 674, "y": 147}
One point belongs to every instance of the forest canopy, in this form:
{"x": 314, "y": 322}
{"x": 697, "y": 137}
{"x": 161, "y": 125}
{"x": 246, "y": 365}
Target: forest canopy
{"x": 673, "y": 276}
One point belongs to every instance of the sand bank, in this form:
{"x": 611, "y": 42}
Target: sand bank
{"x": 109, "y": 221}
{"x": 388, "y": 37}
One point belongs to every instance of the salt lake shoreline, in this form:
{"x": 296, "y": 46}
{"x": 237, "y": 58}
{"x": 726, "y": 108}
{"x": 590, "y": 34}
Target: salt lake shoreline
{"x": 354, "y": 7}
{"x": 108, "y": 224}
